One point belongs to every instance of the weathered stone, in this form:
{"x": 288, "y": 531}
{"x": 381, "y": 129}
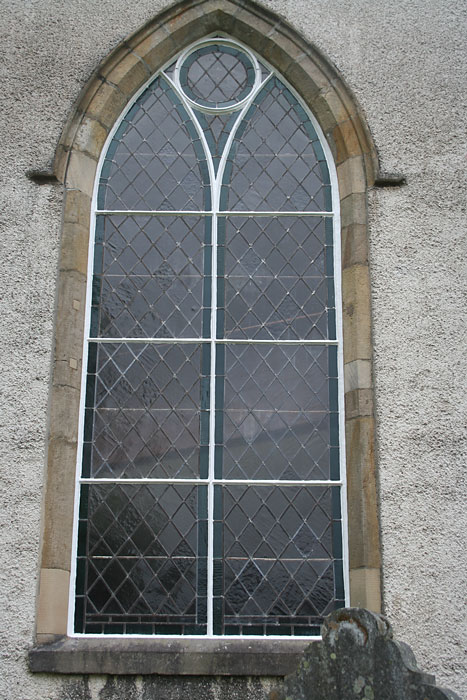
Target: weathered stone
{"x": 358, "y": 402}
{"x": 58, "y": 507}
{"x": 169, "y": 657}
{"x": 364, "y": 549}
{"x": 358, "y": 658}
{"x": 53, "y": 601}
{"x": 351, "y": 176}
{"x": 365, "y": 588}
{"x": 81, "y": 172}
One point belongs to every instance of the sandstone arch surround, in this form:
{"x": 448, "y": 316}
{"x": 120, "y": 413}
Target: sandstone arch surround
{"x": 120, "y": 76}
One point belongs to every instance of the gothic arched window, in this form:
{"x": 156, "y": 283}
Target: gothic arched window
{"x": 211, "y": 499}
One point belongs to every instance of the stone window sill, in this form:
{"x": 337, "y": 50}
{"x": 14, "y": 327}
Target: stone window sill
{"x": 191, "y": 657}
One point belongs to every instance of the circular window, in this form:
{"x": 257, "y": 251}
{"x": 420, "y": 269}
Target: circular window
{"x": 217, "y": 76}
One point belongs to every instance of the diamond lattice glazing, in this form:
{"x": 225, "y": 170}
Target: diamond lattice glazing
{"x": 144, "y": 559}
{"x": 150, "y": 282}
{"x": 276, "y": 284}
{"x": 275, "y": 548}
{"x": 144, "y": 411}
{"x": 278, "y": 573}
{"x": 276, "y": 162}
{"x": 155, "y": 160}
{"x": 217, "y": 75}
{"x": 276, "y": 412}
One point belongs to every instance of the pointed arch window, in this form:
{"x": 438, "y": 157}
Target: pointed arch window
{"x": 210, "y": 489}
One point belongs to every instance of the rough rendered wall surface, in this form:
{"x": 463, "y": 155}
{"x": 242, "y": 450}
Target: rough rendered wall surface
{"x": 404, "y": 62}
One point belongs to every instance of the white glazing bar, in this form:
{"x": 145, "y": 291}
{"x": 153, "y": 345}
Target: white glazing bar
{"x": 280, "y": 482}
{"x": 244, "y": 638}
{"x": 254, "y": 341}
{"x": 212, "y": 426}
{"x": 258, "y": 482}
{"x": 255, "y": 214}
{"x": 149, "y": 341}
{"x": 236, "y": 341}
{"x": 235, "y": 212}
{"x": 151, "y": 212}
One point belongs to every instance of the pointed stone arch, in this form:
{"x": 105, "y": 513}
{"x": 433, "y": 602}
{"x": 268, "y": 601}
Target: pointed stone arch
{"x": 109, "y": 90}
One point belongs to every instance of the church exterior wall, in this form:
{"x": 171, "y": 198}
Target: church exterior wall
{"x": 404, "y": 64}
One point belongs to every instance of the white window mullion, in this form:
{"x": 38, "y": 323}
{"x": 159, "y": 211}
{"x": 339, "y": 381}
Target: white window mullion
{"x": 212, "y": 424}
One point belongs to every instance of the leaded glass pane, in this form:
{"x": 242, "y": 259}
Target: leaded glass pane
{"x": 276, "y": 162}
{"x": 276, "y": 549}
{"x": 279, "y": 413}
{"x": 145, "y": 411}
{"x": 217, "y": 75}
{"x": 216, "y": 129}
{"x": 277, "y": 283}
{"x": 150, "y": 276}
{"x": 142, "y": 560}
{"x": 155, "y": 160}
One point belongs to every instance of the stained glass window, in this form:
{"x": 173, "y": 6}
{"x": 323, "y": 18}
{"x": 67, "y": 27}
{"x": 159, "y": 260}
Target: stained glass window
{"x": 211, "y": 496}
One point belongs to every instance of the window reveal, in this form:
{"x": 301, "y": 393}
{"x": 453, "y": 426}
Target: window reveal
{"x": 210, "y": 491}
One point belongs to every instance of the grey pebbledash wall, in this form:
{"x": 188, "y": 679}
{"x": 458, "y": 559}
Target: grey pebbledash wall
{"x": 404, "y": 63}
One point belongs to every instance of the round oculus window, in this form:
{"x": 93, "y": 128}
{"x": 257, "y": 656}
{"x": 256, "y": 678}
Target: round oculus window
{"x": 217, "y": 76}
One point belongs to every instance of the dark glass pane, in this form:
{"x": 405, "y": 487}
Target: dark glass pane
{"x": 146, "y": 553}
{"x": 276, "y": 412}
{"x": 152, "y": 277}
{"x": 277, "y": 567}
{"x": 276, "y": 283}
{"x": 154, "y": 160}
{"x": 147, "y": 411}
{"x": 216, "y": 128}
{"x": 276, "y": 162}
{"x": 217, "y": 75}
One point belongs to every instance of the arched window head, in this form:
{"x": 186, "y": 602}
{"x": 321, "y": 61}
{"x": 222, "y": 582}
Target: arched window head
{"x": 210, "y": 478}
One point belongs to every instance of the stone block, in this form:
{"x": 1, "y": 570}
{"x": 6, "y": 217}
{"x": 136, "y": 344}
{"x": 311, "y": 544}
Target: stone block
{"x": 68, "y": 372}
{"x": 353, "y": 210}
{"x": 155, "y": 49}
{"x": 74, "y": 247}
{"x": 254, "y": 34}
{"x": 77, "y": 208}
{"x": 346, "y": 139}
{"x": 106, "y": 105}
{"x": 219, "y": 14}
{"x": 358, "y": 658}
{"x": 81, "y": 172}
{"x": 58, "y": 511}
{"x": 356, "y": 313}
{"x": 364, "y": 543}
{"x": 306, "y": 86}
{"x": 52, "y": 608}
{"x": 282, "y": 50}
{"x": 90, "y": 137}
{"x": 357, "y": 375}
{"x": 340, "y": 108}
{"x": 354, "y": 241}
{"x": 358, "y": 402}
{"x": 178, "y": 658}
{"x": 351, "y": 176}
{"x": 129, "y": 74}
{"x": 365, "y": 589}
{"x": 70, "y": 316}
{"x": 186, "y": 27}
{"x": 64, "y": 411}
{"x": 320, "y": 108}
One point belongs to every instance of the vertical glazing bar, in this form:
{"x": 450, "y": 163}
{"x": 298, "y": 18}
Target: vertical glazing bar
{"x": 212, "y": 418}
